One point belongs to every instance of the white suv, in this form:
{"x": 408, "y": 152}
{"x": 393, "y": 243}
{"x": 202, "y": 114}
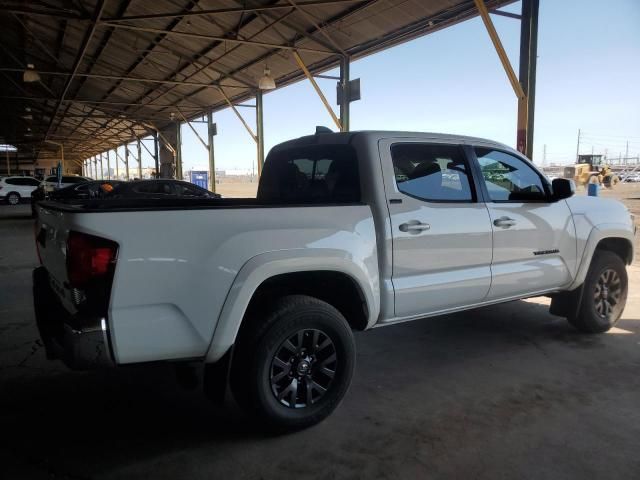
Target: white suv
{"x": 12, "y": 189}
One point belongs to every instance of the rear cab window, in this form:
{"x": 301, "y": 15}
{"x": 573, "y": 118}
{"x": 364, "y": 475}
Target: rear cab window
{"x": 325, "y": 174}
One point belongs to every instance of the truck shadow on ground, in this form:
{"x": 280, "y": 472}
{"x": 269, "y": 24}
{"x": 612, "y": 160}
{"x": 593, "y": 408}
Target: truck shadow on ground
{"x": 83, "y": 424}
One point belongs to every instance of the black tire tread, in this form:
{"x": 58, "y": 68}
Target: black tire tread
{"x": 250, "y": 346}
{"x": 585, "y": 320}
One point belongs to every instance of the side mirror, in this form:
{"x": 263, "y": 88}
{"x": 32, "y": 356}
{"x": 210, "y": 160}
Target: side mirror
{"x": 562, "y": 188}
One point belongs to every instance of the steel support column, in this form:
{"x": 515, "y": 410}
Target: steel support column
{"x": 527, "y": 74}
{"x": 115, "y": 150}
{"x": 126, "y": 160}
{"x": 315, "y": 86}
{"x": 513, "y": 79}
{"x": 178, "y": 151}
{"x": 156, "y": 155}
{"x": 259, "y": 131}
{"x": 108, "y": 165}
{"x": 101, "y": 168}
{"x": 139, "y": 159}
{"x": 211, "y": 132}
{"x": 345, "y": 101}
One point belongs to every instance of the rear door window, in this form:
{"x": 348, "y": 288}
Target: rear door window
{"x": 71, "y": 179}
{"x": 434, "y": 173}
{"x": 185, "y": 190}
{"x": 154, "y": 188}
{"x": 311, "y": 174}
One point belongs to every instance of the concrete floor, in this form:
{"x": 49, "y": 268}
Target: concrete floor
{"x": 501, "y": 392}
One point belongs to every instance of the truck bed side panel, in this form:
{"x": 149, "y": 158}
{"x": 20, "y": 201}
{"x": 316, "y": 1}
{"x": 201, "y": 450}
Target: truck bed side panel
{"x": 175, "y": 268}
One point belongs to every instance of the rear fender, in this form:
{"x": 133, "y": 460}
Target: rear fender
{"x": 264, "y": 266}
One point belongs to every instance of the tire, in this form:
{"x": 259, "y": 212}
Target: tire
{"x": 604, "y": 294}
{"x": 293, "y": 368}
{"x": 13, "y": 198}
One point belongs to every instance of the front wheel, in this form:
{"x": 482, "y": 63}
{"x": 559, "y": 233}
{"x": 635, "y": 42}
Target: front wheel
{"x": 604, "y": 294}
{"x": 295, "y": 367}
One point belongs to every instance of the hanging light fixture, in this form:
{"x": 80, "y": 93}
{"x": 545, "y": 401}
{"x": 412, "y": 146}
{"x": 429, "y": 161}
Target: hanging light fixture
{"x": 30, "y": 74}
{"x": 266, "y": 82}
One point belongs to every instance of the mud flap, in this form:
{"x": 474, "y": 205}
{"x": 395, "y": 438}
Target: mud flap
{"x": 216, "y": 378}
{"x": 566, "y": 304}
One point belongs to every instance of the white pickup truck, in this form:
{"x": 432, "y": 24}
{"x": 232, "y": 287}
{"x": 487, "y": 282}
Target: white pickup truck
{"x": 349, "y": 231}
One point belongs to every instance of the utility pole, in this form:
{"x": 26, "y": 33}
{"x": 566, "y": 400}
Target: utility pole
{"x": 626, "y": 151}
{"x": 578, "y": 147}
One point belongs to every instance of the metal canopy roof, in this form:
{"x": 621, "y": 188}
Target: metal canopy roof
{"x": 111, "y": 70}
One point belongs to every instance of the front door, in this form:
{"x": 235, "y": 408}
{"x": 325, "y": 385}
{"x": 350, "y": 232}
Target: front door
{"x": 441, "y": 234}
{"x": 534, "y": 244}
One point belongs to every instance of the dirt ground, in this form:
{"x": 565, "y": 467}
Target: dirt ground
{"x": 501, "y": 392}
{"x": 237, "y": 189}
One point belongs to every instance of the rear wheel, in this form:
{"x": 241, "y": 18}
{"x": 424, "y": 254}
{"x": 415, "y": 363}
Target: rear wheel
{"x": 604, "y": 294}
{"x": 293, "y": 370}
{"x": 13, "y": 198}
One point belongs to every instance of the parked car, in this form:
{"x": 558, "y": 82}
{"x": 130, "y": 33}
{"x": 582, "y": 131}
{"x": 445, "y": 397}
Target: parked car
{"x": 634, "y": 177}
{"x": 50, "y": 183}
{"x": 84, "y": 190}
{"x": 349, "y": 231}
{"x": 15, "y": 188}
{"x": 160, "y": 189}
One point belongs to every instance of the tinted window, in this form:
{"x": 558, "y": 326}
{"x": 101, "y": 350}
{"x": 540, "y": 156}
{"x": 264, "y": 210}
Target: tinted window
{"x": 431, "y": 172}
{"x": 13, "y": 181}
{"x": 51, "y": 179}
{"x": 186, "y": 190}
{"x": 157, "y": 188}
{"x": 509, "y": 178}
{"x": 73, "y": 179}
{"x": 312, "y": 174}
{"x": 32, "y": 182}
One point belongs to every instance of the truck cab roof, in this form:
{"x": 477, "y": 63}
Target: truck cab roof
{"x": 323, "y": 137}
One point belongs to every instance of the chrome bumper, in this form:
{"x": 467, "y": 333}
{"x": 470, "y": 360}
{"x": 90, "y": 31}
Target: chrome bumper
{"x": 80, "y": 341}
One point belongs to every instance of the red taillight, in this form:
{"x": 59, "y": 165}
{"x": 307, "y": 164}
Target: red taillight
{"x": 88, "y": 257}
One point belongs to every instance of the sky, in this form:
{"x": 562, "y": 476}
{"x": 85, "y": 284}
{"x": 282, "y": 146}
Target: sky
{"x": 452, "y": 81}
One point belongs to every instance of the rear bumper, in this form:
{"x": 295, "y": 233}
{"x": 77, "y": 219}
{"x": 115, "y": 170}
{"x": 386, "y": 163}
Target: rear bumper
{"x": 80, "y": 341}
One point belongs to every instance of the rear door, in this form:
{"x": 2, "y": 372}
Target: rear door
{"x": 441, "y": 233}
{"x": 534, "y": 243}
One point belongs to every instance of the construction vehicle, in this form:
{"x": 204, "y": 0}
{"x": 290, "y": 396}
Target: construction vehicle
{"x": 591, "y": 169}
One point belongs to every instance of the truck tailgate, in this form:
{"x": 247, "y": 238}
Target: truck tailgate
{"x": 52, "y": 230}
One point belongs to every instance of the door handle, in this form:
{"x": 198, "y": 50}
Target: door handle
{"x": 504, "y": 222}
{"x": 414, "y": 227}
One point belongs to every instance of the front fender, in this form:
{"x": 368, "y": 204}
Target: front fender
{"x": 364, "y": 271}
{"x": 597, "y": 234}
